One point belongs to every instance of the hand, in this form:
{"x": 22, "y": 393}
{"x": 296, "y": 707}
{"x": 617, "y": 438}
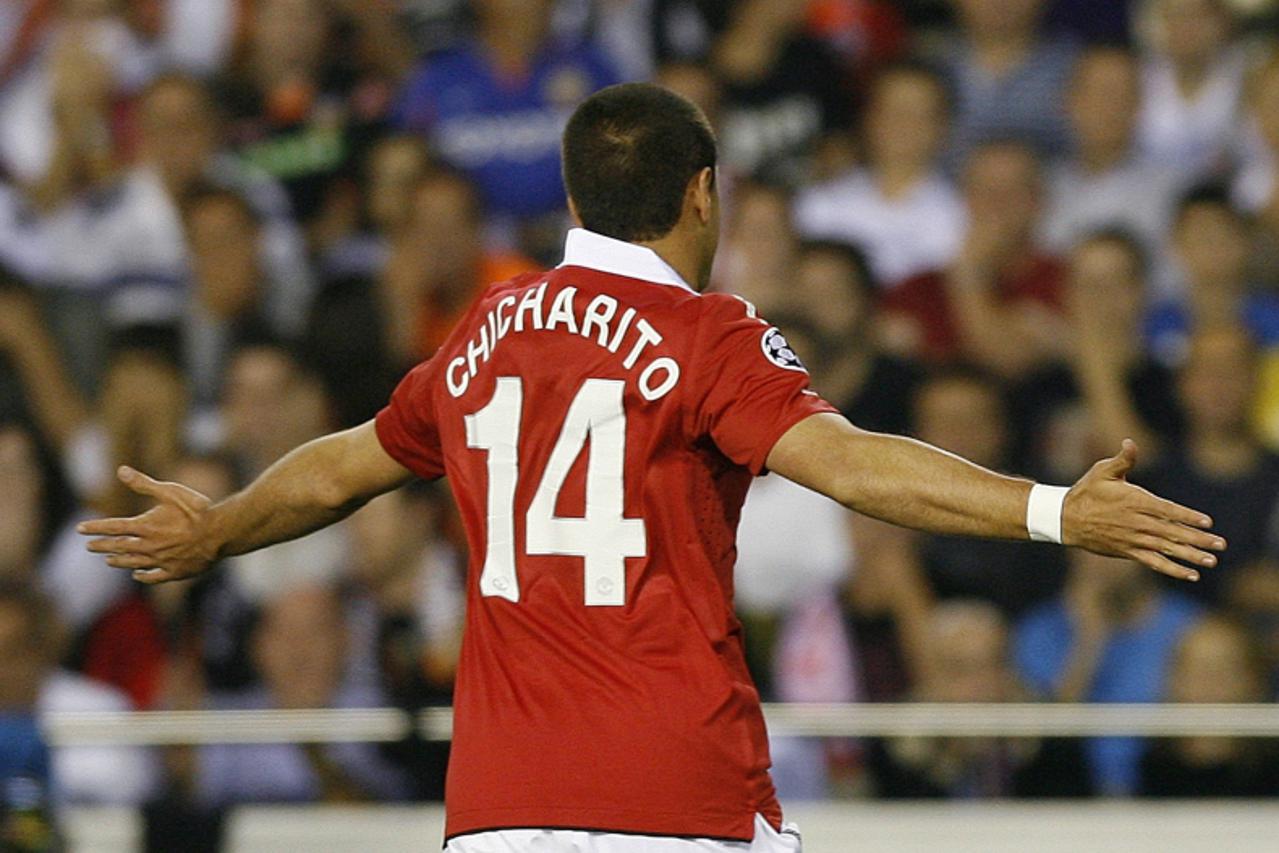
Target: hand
{"x": 170, "y": 541}
{"x": 1106, "y": 514}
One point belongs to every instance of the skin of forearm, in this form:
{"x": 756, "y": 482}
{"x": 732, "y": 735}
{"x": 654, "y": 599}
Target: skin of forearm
{"x": 901, "y": 480}
{"x": 307, "y": 489}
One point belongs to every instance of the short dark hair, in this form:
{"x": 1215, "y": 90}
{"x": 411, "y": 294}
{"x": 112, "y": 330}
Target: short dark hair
{"x": 204, "y": 193}
{"x": 1124, "y": 238}
{"x": 920, "y": 69}
{"x": 629, "y": 153}
{"x": 866, "y": 285}
{"x": 1210, "y": 194}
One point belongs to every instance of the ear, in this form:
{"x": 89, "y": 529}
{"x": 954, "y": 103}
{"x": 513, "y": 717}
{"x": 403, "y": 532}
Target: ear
{"x": 702, "y": 194}
{"x": 572, "y": 211}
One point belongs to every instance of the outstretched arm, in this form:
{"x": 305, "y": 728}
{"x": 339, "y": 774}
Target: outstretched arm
{"x": 915, "y": 485}
{"x": 311, "y": 487}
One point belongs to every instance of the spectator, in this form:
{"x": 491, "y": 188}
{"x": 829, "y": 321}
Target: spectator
{"x": 998, "y": 303}
{"x": 1193, "y": 82}
{"x": 696, "y": 82}
{"x": 411, "y": 579}
{"x": 1220, "y": 460}
{"x": 1216, "y": 661}
{"x": 832, "y": 301}
{"x": 25, "y": 813}
{"x": 140, "y": 418}
{"x": 230, "y": 289}
{"x": 407, "y": 618}
{"x": 783, "y": 89}
{"x": 61, "y": 107}
{"x": 964, "y": 411}
{"x": 300, "y": 647}
{"x": 1110, "y": 388}
{"x": 38, "y": 546}
{"x": 301, "y": 107}
{"x": 1109, "y": 637}
{"x": 392, "y": 170}
{"x": 759, "y": 246}
{"x": 44, "y": 388}
{"x": 899, "y": 207}
{"x": 127, "y": 251}
{"x": 1210, "y": 238}
{"x": 494, "y": 106}
{"x": 1255, "y": 184}
{"x": 272, "y": 401}
{"x": 438, "y": 264}
{"x": 31, "y": 683}
{"x": 1010, "y": 82}
{"x": 886, "y": 602}
{"x": 968, "y": 661}
{"x": 1105, "y": 182}
{"x": 208, "y": 621}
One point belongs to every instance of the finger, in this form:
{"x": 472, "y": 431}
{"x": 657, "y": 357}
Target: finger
{"x": 109, "y": 527}
{"x": 150, "y": 577}
{"x": 142, "y": 484}
{"x": 1181, "y": 533}
{"x": 1165, "y": 566}
{"x": 1166, "y": 509}
{"x": 131, "y": 561}
{"x": 117, "y": 545}
{"x": 1177, "y": 551}
{"x": 1118, "y": 466}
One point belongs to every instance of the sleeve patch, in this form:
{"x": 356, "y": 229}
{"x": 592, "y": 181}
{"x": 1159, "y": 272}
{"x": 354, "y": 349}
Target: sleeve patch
{"x": 779, "y": 352}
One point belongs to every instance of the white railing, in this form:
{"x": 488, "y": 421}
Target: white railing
{"x": 157, "y": 728}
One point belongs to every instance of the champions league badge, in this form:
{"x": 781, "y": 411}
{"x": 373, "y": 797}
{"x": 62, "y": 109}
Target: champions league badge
{"x": 778, "y": 351}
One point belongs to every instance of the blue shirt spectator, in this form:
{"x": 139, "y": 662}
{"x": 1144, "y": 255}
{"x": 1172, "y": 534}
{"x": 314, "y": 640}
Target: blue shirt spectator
{"x": 1132, "y": 667}
{"x": 1169, "y": 324}
{"x": 503, "y": 130}
{"x": 23, "y": 753}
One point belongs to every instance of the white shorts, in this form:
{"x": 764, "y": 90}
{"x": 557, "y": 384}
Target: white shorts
{"x": 767, "y": 840}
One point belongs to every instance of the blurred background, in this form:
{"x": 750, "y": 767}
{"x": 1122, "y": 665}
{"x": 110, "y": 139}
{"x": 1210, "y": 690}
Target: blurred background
{"x": 1019, "y": 229}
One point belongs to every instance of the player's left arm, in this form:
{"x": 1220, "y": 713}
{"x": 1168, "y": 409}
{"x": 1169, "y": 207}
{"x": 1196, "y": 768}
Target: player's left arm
{"x": 913, "y": 484}
{"x": 311, "y": 487}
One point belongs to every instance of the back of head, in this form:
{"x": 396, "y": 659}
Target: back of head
{"x": 629, "y": 154}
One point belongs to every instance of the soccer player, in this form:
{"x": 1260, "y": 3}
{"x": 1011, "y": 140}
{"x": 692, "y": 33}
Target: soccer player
{"x": 600, "y": 425}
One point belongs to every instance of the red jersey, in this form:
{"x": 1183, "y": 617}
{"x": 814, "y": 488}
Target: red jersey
{"x": 600, "y": 425}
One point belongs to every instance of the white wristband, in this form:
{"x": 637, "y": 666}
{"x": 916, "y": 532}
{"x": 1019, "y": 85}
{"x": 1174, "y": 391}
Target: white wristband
{"x": 1043, "y": 512}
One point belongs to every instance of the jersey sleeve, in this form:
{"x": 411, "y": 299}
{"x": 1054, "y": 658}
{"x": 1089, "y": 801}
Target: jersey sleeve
{"x": 751, "y": 387}
{"x": 408, "y": 427}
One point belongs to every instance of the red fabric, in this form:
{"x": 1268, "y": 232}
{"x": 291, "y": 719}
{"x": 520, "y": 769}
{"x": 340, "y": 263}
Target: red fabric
{"x": 126, "y": 648}
{"x": 635, "y": 718}
{"x": 924, "y": 300}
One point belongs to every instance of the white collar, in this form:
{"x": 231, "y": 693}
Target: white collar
{"x": 584, "y": 248}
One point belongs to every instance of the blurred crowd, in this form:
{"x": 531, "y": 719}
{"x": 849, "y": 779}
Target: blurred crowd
{"x": 1022, "y": 230}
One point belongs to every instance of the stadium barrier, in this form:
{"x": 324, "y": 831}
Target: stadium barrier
{"x": 158, "y": 728}
{"x": 844, "y": 827}
{"x": 837, "y": 826}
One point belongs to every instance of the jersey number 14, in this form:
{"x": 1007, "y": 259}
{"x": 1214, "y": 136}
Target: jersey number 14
{"x": 602, "y": 537}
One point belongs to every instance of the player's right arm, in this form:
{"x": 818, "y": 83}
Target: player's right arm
{"x": 313, "y": 486}
{"x": 913, "y": 484}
